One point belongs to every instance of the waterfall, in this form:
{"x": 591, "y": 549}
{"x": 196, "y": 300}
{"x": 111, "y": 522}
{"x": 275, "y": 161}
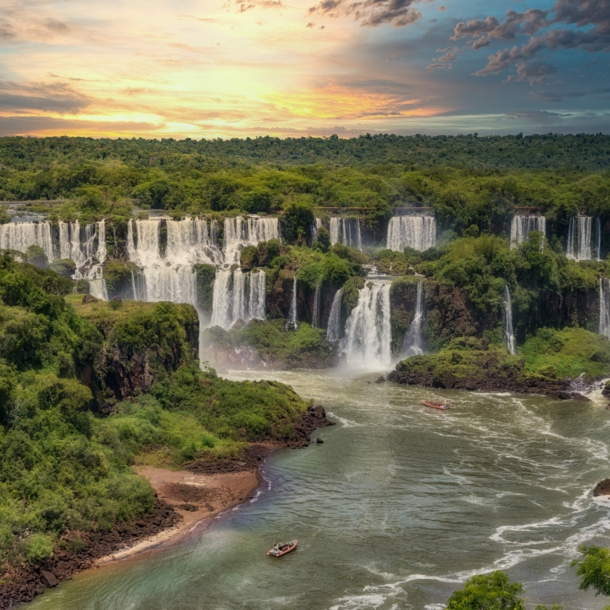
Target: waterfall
{"x": 239, "y": 233}
{"x": 192, "y": 241}
{"x": 520, "y": 226}
{"x": 604, "y": 307}
{"x": 238, "y": 296}
{"x": 333, "y": 329}
{"x": 21, "y": 235}
{"x": 509, "y": 335}
{"x": 315, "y": 318}
{"x": 292, "y": 315}
{"x": 368, "y": 330}
{"x": 579, "y": 238}
{"x": 413, "y": 343}
{"x": 417, "y": 232}
{"x": 314, "y": 229}
{"x": 346, "y": 231}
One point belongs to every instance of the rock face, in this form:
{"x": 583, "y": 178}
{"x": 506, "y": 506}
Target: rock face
{"x": 315, "y": 417}
{"x": 23, "y": 584}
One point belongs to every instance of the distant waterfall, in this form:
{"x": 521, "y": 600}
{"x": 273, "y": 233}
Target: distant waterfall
{"x": 417, "y": 232}
{"x": 346, "y": 231}
{"x": 239, "y": 233}
{"x": 163, "y": 279}
{"x": 520, "y": 226}
{"x": 314, "y": 229}
{"x": 192, "y": 241}
{"x": 604, "y": 307}
{"x": 583, "y": 245}
{"x": 413, "y": 343}
{"x": 292, "y": 321}
{"x": 368, "y": 331}
{"x": 333, "y": 329}
{"x": 238, "y": 296}
{"x": 21, "y": 235}
{"x": 315, "y": 318}
{"x": 509, "y": 335}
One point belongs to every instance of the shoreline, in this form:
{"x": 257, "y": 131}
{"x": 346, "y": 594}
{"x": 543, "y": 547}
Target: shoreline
{"x": 186, "y": 502}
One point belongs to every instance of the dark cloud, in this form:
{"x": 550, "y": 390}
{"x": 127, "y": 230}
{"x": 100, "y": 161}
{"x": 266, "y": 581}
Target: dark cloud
{"x": 556, "y": 96}
{"x": 55, "y": 97}
{"x": 536, "y": 72}
{"x": 371, "y": 13}
{"x": 593, "y": 16}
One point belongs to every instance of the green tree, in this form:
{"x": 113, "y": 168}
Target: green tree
{"x": 492, "y": 591}
{"x": 594, "y": 569}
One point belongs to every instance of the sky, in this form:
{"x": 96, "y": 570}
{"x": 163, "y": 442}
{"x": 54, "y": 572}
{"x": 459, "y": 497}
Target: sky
{"x": 291, "y": 68}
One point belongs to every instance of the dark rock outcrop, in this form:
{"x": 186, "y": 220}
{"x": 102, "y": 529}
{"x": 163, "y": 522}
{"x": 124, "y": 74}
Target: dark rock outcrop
{"x": 602, "y": 488}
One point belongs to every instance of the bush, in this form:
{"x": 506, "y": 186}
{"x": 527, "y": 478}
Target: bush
{"x": 37, "y": 548}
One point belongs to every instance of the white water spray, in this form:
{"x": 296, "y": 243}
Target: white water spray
{"x": 413, "y": 344}
{"x": 520, "y": 226}
{"x": 417, "y": 232}
{"x": 368, "y": 331}
{"x": 509, "y": 335}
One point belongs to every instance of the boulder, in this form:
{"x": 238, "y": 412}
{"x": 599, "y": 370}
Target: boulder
{"x": 48, "y": 578}
{"x": 602, "y": 488}
{"x": 89, "y": 298}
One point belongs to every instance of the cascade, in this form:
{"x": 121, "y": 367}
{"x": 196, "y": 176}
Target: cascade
{"x": 604, "y": 307}
{"x": 520, "y": 226}
{"x": 238, "y": 296}
{"x": 346, "y": 231}
{"x": 368, "y": 331}
{"x": 315, "y": 318}
{"x": 333, "y": 329}
{"x": 192, "y": 241}
{"x": 292, "y": 321}
{"x": 413, "y": 343}
{"x": 509, "y": 335}
{"x": 239, "y": 233}
{"x": 417, "y": 232}
{"x": 581, "y": 244}
{"x": 21, "y": 235}
{"x": 314, "y": 229}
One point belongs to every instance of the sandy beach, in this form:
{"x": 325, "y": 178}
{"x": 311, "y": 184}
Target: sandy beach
{"x": 196, "y": 497}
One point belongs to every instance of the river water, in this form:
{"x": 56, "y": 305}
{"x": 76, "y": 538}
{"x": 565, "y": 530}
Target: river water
{"x": 398, "y": 507}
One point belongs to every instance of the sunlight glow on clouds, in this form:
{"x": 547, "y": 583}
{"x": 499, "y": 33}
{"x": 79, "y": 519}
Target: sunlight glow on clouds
{"x": 202, "y": 68}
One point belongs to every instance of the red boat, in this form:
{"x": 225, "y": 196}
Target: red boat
{"x": 282, "y": 548}
{"x": 433, "y": 404}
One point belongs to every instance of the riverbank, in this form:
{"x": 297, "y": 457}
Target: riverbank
{"x": 186, "y": 501}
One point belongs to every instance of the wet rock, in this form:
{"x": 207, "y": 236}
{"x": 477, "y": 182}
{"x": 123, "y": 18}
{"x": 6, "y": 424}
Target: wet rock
{"x": 602, "y": 488}
{"x": 319, "y": 441}
{"x": 580, "y": 397}
{"x": 89, "y": 298}
{"x": 49, "y": 578}
{"x": 560, "y": 395}
{"x": 116, "y": 297}
{"x": 380, "y": 379}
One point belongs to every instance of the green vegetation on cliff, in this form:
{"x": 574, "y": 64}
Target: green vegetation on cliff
{"x": 63, "y": 466}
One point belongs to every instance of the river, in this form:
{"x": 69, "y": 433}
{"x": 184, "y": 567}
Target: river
{"x": 398, "y": 507}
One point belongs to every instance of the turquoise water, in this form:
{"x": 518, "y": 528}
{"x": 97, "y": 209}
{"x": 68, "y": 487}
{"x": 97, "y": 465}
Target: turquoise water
{"x": 398, "y": 507}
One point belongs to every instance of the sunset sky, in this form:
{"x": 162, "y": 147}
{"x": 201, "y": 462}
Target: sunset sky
{"x": 208, "y": 68}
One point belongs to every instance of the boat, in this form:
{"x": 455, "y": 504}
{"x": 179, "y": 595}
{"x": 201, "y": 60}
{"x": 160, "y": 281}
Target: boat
{"x": 434, "y": 404}
{"x": 281, "y": 548}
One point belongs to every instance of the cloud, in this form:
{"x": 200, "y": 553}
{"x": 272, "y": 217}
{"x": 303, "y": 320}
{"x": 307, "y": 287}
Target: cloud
{"x": 438, "y": 66}
{"x": 371, "y": 13}
{"x": 60, "y": 98}
{"x": 554, "y": 96}
{"x": 536, "y": 72}
{"x": 590, "y": 32}
{"x": 42, "y": 125}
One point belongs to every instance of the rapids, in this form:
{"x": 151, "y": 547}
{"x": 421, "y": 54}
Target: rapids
{"x": 395, "y": 510}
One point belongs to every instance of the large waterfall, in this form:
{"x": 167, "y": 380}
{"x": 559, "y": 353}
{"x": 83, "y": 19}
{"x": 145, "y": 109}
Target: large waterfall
{"x": 86, "y": 246}
{"x": 368, "y": 331}
{"x": 238, "y": 296}
{"x": 191, "y": 241}
{"x": 520, "y": 226}
{"x": 584, "y": 244}
{"x": 239, "y": 233}
{"x": 417, "y": 232}
{"x": 604, "y": 307}
{"x": 346, "y": 231}
{"x": 333, "y": 328}
{"x": 509, "y": 335}
{"x": 413, "y": 343}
